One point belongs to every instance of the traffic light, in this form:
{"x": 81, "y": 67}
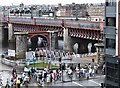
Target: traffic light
{"x": 63, "y": 66}
{"x": 79, "y": 66}
{"x": 60, "y": 67}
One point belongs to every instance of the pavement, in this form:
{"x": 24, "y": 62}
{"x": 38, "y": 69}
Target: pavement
{"x": 34, "y": 83}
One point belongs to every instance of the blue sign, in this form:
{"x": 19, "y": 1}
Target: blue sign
{"x": 30, "y": 55}
{"x": 30, "y": 60}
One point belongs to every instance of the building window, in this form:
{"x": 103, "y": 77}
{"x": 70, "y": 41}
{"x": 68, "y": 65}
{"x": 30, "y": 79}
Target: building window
{"x": 110, "y": 43}
{"x": 110, "y": 21}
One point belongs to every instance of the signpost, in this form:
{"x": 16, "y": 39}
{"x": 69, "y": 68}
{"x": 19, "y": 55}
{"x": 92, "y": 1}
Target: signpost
{"x": 30, "y": 57}
{"x": 11, "y": 52}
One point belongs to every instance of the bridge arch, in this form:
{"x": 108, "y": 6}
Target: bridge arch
{"x": 42, "y": 35}
{"x": 38, "y": 40}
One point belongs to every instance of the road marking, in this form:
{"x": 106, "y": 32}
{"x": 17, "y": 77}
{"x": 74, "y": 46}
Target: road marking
{"x": 95, "y": 82}
{"x": 78, "y": 84}
{"x": 100, "y": 76}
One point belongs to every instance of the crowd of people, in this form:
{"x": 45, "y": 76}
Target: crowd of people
{"x": 16, "y": 80}
{"x": 48, "y": 76}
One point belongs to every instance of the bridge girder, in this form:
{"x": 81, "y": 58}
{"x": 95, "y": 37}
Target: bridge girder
{"x": 86, "y": 33}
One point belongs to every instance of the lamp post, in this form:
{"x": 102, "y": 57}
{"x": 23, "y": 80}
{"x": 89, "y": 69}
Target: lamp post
{"x": 31, "y": 12}
{"x": 62, "y": 72}
{"x": 50, "y": 36}
{"x": 8, "y": 13}
{"x": 33, "y": 59}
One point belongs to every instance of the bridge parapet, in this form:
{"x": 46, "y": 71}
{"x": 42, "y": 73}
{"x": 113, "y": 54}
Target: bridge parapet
{"x": 21, "y": 20}
{"x": 83, "y": 24}
{"x": 49, "y": 22}
{"x": 56, "y": 22}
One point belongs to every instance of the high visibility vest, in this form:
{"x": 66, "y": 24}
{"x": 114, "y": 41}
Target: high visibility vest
{"x": 18, "y": 82}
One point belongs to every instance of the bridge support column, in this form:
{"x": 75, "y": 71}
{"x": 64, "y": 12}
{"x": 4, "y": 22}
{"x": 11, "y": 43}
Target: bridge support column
{"x": 54, "y": 42}
{"x": 100, "y": 53}
{"x": 67, "y": 41}
{"x": 11, "y": 38}
{"x": 21, "y": 44}
{"x": 3, "y": 38}
{"x": 10, "y": 32}
{"x": 1, "y": 33}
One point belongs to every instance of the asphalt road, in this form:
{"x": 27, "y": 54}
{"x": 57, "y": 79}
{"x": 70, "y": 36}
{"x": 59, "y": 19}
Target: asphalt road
{"x": 5, "y": 72}
{"x": 91, "y": 83}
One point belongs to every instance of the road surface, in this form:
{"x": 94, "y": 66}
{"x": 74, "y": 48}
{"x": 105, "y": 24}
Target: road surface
{"x": 5, "y": 71}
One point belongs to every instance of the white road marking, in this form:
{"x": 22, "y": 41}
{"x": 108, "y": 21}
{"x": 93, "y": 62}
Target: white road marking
{"x": 95, "y": 82}
{"x": 78, "y": 84}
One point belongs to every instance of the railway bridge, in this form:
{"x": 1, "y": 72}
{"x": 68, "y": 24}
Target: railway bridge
{"x": 53, "y": 31}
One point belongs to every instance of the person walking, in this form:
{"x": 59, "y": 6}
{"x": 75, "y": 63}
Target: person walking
{"x": 26, "y": 81}
{"x": 40, "y": 77}
{"x": 18, "y": 83}
{"x": 7, "y": 83}
{"x": 1, "y": 79}
{"x": 48, "y": 79}
{"x": 103, "y": 69}
{"x": 51, "y": 78}
{"x": 45, "y": 76}
{"x": 14, "y": 71}
{"x": 29, "y": 75}
{"x": 54, "y": 74}
{"x": 15, "y": 76}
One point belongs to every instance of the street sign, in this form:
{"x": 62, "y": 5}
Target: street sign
{"x": 30, "y": 55}
{"x": 30, "y": 60}
{"x": 11, "y": 52}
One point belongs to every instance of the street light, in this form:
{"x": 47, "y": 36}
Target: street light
{"x": 8, "y": 14}
{"x": 50, "y": 36}
{"x": 31, "y": 12}
{"x": 33, "y": 59}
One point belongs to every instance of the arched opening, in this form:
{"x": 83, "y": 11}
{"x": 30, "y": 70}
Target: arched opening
{"x": 37, "y": 41}
{"x": 76, "y": 47}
